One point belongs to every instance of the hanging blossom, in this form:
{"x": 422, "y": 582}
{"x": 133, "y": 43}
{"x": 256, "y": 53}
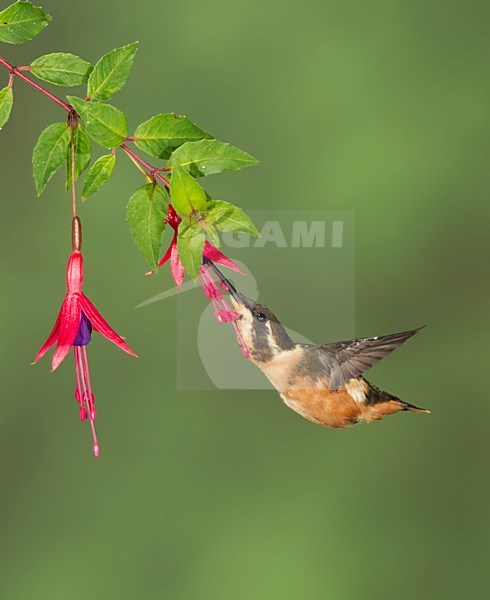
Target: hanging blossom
{"x": 222, "y": 311}
{"x": 73, "y": 329}
{"x": 209, "y": 252}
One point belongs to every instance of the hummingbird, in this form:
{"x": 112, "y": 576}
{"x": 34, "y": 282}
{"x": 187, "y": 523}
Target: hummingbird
{"x": 323, "y": 383}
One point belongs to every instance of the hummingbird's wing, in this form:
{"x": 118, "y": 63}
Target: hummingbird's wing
{"x": 352, "y": 357}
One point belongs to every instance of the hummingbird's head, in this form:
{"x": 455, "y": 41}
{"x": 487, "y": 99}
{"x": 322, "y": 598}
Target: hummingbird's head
{"x": 260, "y": 329}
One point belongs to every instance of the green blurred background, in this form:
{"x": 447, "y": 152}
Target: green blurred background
{"x": 380, "y": 107}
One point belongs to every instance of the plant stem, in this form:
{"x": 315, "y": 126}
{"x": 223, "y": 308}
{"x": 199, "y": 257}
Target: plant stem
{"x": 152, "y": 171}
{"x": 15, "y": 71}
{"x": 73, "y": 124}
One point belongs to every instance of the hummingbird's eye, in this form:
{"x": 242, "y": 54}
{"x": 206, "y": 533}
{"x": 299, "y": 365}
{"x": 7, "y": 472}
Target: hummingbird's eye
{"x": 260, "y": 317}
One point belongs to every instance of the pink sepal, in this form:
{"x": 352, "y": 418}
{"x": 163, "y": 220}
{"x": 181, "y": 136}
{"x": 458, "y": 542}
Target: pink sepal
{"x": 168, "y": 253}
{"x": 217, "y": 256}
{"x": 178, "y": 271}
{"x": 68, "y": 329}
{"x": 52, "y": 339}
{"x": 101, "y": 325}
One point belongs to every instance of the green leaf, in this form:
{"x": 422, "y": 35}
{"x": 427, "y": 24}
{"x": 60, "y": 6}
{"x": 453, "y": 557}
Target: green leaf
{"x": 111, "y": 72}
{"x": 161, "y": 134}
{"x": 208, "y": 157}
{"x": 6, "y": 103}
{"x": 187, "y": 194}
{"x": 82, "y": 153}
{"x": 228, "y": 217}
{"x": 146, "y": 214}
{"x": 50, "y": 153}
{"x": 98, "y": 175}
{"x": 61, "y": 68}
{"x": 190, "y": 245}
{"x": 21, "y": 21}
{"x": 105, "y": 124}
{"x": 211, "y": 232}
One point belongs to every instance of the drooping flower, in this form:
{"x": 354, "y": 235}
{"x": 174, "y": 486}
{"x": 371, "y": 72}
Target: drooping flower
{"x": 73, "y": 329}
{"x": 176, "y": 267}
{"x": 222, "y": 311}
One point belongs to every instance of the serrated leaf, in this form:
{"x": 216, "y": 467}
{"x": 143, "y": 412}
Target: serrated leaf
{"x": 228, "y": 217}
{"x": 21, "y": 21}
{"x": 105, "y": 123}
{"x": 146, "y": 215}
{"x": 208, "y": 157}
{"x": 61, "y": 68}
{"x": 49, "y": 153}
{"x": 190, "y": 245}
{"x": 6, "y": 103}
{"x": 82, "y": 153}
{"x": 187, "y": 194}
{"x": 160, "y": 135}
{"x": 98, "y": 175}
{"x": 111, "y": 72}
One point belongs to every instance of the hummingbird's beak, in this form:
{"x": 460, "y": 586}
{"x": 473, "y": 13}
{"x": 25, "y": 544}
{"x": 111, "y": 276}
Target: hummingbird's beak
{"x": 229, "y": 286}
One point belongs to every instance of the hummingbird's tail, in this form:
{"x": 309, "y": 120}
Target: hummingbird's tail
{"x": 380, "y": 398}
{"x": 413, "y": 408}
{"x": 386, "y": 404}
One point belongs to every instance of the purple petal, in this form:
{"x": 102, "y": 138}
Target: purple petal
{"x": 84, "y": 334}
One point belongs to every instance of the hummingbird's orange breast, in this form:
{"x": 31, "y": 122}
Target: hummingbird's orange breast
{"x": 346, "y": 406}
{"x": 324, "y": 407}
{"x": 310, "y": 397}
{"x": 306, "y": 390}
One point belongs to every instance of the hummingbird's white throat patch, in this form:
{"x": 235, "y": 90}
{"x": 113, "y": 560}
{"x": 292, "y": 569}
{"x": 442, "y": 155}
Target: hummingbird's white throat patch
{"x": 271, "y": 339}
{"x": 244, "y": 323}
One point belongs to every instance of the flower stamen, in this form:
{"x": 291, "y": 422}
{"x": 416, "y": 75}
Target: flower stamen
{"x": 84, "y": 391}
{"x": 222, "y": 311}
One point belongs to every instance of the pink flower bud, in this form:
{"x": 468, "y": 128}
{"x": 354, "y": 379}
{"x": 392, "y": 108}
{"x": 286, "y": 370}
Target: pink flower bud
{"x": 83, "y": 413}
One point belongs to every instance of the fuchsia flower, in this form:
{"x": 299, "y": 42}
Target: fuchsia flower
{"x": 222, "y": 311}
{"x": 73, "y": 329}
{"x": 176, "y": 267}
{"x": 209, "y": 251}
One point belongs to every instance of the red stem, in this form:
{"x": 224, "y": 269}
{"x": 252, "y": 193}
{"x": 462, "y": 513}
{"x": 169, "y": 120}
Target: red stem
{"x": 152, "y": 171}
{"x": 73, "y": 124}
{"x": 17, "y": 72}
